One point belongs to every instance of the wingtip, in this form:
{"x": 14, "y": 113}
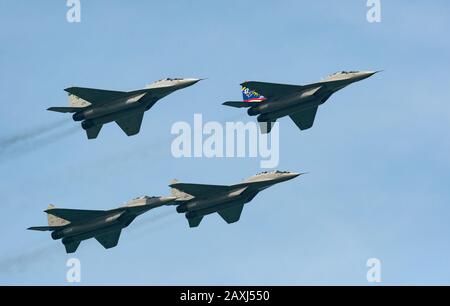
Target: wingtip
{"x": 38, "y": 228}
{"x": 70, "y": 89}
{"x": 54, "y": 109}
{"x": 228, "y": 103}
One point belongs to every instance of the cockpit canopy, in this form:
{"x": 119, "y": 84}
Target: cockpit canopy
{"x": 144, "y": 198}
{"x": 139, "y": 201}
{"x": 343, "y": 72}
{"x": 164, "y": 83}
{"x": 347, "y": 72}
{"x": 169, "y": 79}
{"x": 272, "y": 172}
{"x": 339, "y": 74}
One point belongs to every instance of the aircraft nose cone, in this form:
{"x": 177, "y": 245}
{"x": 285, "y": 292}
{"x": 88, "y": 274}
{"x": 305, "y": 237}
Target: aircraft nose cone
{"x": 290, "y": 176}
{"x": 191, "y": 81}
{"x": 367, "y": 74}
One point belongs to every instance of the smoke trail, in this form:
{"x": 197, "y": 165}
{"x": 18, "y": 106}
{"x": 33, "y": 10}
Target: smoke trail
{"x": 153, "y": 228}
{"x": 155, "y": 148}
{"x": 30, "y": 134}
{"x": 19, "y": 262}
{"x": 49, "y": 139}
{"x": 147, "y": 227}
{"x": 19, "y": 146}
{"x": 154, "y": 220}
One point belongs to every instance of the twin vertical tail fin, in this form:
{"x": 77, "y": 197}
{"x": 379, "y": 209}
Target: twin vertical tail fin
{"x": 180, "y": 195}
{"x": 250, "y": 95}
{"x": 54, "y": 223}
{"x": 75, "y": 105}
{"x": 53, "y": 220}
{"x": 250, "y": 98}
{"x": 75, "y": 101}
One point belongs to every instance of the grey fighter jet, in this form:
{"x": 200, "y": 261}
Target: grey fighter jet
{"x": 198, "y": 200}
{"x": 95, "y": 107}
{"x": 76, "y": 225}
{"x": 270, "y": 101}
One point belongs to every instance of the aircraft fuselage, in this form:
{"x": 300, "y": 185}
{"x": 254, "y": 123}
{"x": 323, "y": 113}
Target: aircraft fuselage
{"x": 242, "y": 194}
{"x": 274, "y": 108}
{"x": 205, "y": 206}
{"x": 115, "y": 220}
{"x": 99, "y": 226}
{"x": 114, "y": 110}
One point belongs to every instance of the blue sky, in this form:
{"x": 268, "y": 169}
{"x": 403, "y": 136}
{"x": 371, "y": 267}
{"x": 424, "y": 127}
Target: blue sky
{"x": 378, "y": 154}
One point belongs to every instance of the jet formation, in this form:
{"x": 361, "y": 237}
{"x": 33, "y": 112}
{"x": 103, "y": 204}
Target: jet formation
{"x": 271, "y": 101}
{"x": 75, "y": 225}
{"x": 96, "y": 107}
{"x": 267, "y": 101}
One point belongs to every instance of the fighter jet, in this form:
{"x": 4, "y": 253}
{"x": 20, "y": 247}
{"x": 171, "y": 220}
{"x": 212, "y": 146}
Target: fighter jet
{"x": 270, "y": 101}
{"x": 76, "y": 225}
{"x": 95, "y": 107}
{"x": 198, "y": 200}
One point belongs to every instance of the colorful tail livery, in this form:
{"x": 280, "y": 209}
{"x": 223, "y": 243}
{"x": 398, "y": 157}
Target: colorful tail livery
{"x": 250, "y": 95}
{"x": 250, "y": 98}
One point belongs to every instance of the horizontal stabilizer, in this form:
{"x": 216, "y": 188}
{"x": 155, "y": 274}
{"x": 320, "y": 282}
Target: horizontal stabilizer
{"x": 194, "y": 222}
{"x": 304, "y": 119}
{"x": 131, "y": 124}
{"x": 72, "y": 247}
{"x": 43, "y": 228}
{"x": 240, "y": 104}
{"x": 266, "y": 126}
{"x": 93, "y": 132}
{"x": 63, "y": 109}
{"x": 231, "y": 214}
{"x": 109, "y": 240}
